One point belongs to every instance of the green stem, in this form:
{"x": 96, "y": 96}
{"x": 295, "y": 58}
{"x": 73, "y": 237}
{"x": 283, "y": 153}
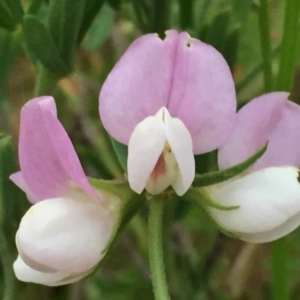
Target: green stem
{"x": 158, "y": 274}
{"x": 286, "y": 66}
{"x": 46, "y": 82}
{"x": 9, "y": 278}
{"x": 264, "y": 24}
{"x": 289, "y": 45}
{"x": 279, "y": 268}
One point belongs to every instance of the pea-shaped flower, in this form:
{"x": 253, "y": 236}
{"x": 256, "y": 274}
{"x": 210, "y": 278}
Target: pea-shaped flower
{"x": 62, "y": 236}
{"x": 269, "y": 194}
{"x": 168, "y": 99}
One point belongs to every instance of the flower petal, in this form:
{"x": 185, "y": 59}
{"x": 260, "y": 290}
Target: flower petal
{"x": 64, "y": 235}
{"x": 18, "y": 180}
{"x": 27, "y": 274}
{"x": 254, "y": 125}
{"x": 183, "y": 74}
{"x": 139, "y": 84}
{"x": 268, "y": 198}
{"x": 181, "y": 144}
{"x": 145, "y": 146}
{"x": 202, "y": 94}
{"x": 284, "y": 141}
{"x": 48, "y": 160}
{"x": 271, "y": 235}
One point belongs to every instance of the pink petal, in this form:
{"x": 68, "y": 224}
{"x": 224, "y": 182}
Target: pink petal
{"x": 189, "y": 78}
{"x": 284, "y": 141}
{"x": 254, "y": 126}
{"x": 202, "y": 93}
{"x": 47, "y": 157}
{"x": 18, "y": 180}
{"x": 139, "y": 84}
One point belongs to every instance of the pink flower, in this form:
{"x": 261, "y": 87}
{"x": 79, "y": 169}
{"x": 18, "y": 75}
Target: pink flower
{"x": 61, "y": 237}
{"x": 269, "y": 197}
{"x": 168, "y": 100}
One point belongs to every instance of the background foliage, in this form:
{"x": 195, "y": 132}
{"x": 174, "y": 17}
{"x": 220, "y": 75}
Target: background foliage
{"x": 66, "y": 48}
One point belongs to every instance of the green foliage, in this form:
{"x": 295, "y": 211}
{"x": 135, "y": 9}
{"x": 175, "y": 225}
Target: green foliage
{"x": 6, "y": 20}
{"x": 16, "y": 9}
{"x": 121, "y": 151}
{"x": 91, "y": 9}
{"x": 72, "y": 16}
{"x": 100, "y": 29}
{"x": 40, "y": 42}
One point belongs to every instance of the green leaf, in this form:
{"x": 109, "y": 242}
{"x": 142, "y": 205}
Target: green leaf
{"x": 230, "y": 51}
{"x": 92, "y": 8}
{"x": 6, "y": 21}
{"x": 217, "y": 33}
{"x": 16, "y": 9}
{"x": 100, "y": 29}
{"x": 226, "y": 174}
{"x": 115, "y": 4}
{"x": 10, "y": 207}
{"x": 8, "y": 49}
{"x": 240, "y": 10}
{"x": 72, "y": 16}
{"x": 54, "y": 22}
{"x": 40, "y": 42}
{"x": 34, "y": 7}
{"x": 121, "y": 151}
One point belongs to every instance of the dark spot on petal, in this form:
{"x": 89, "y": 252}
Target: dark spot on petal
{"x": 162, "y": 35}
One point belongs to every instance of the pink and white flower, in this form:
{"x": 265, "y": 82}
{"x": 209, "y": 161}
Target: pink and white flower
{"x": 62, "y": 236}
{"x": 269, "y": 195}
{"x": 168, "y": 100}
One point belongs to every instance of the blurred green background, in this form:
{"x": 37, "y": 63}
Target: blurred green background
{"x": 43, "y": 54}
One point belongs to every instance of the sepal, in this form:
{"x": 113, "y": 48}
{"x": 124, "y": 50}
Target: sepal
{"x": 200, "y": 197}
{"x": 228, "y": 173}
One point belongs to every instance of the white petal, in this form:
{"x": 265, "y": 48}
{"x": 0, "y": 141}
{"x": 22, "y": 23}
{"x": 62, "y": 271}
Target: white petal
{"x": 271, "y": 235}
{"x": 268, "y": 199}
{"x": 25, "y": 273}
{"x": 145, "y": 146}
{"x": 181, "y": 144}
{"x": 64, "y": 234}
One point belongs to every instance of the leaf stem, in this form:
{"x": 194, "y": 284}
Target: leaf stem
{"x": 264, "y": 24}
{"x": 158, "y": 274}
{"x": 289, "y": 45}
{"x": 279, "y": 270}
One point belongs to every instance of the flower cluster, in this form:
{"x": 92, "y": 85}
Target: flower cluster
{"x": 167, "y": 100}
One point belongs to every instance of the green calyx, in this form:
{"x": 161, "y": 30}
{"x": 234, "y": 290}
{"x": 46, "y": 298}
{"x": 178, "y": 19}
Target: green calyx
{"x": 211, "y": 178}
